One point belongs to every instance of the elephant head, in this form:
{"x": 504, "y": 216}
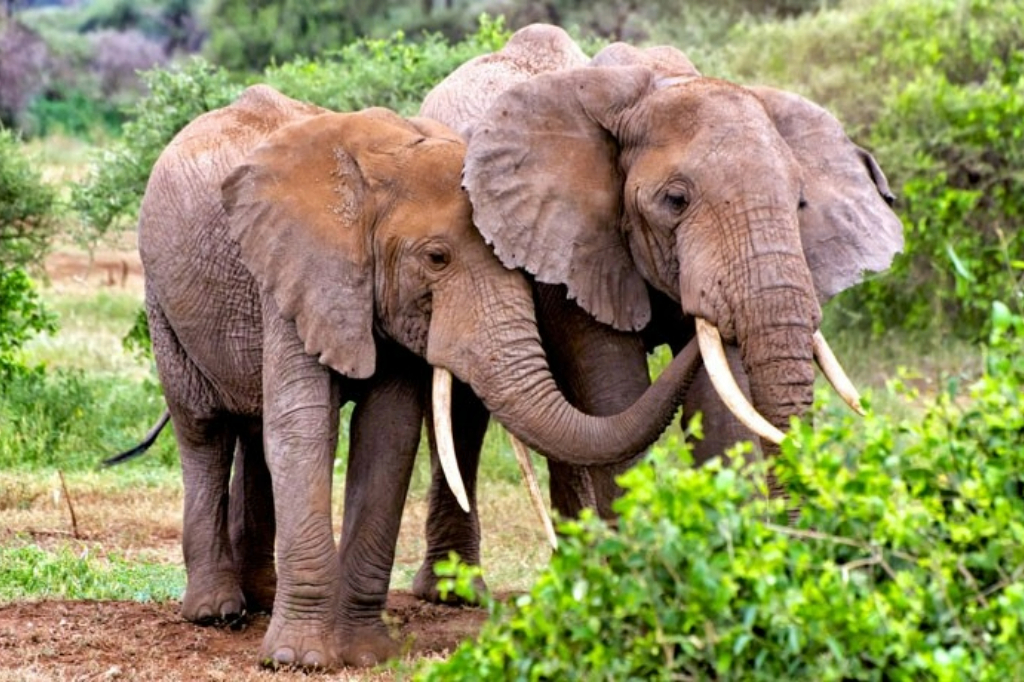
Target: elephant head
{"x": 749, "y": 207}
{"x": 357, "y": 227}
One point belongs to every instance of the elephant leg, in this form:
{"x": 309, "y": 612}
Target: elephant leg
{"x": 602, "y": 371}
{"x": 206, "y": 440}
{"x": 384, "y": 437}
{"x": 300, "y": 421}
{"x": 448, "y": 527}
{"x": 212, "y": 590}
{"x": 251, "y": 513}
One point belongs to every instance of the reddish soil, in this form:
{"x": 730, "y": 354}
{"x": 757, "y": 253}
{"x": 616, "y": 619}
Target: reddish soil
{"x": 150, "y": 641}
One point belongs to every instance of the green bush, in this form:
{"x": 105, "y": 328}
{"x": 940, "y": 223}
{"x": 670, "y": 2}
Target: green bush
{"x": 906, "y": 563}
{"x": 28, "y": 220}
{"x": 74, "y": 113}
{"x": 962, "y": 201}
{"x": 394, "y": 72}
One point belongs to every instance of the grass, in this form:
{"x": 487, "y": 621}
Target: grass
{"x": 33, "y": 572}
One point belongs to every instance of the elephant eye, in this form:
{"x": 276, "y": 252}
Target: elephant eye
{"x": 676, "y": 201}
{"x": 438, "y": 257}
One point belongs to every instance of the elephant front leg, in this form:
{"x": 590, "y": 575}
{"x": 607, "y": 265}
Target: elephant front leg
{"x": 449, "y": 528}
{"x": 384, "y": 436}
{"x": 301, "y": 402}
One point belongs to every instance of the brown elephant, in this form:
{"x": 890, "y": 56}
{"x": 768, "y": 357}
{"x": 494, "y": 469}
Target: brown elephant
{"x": 645, "y": 201}
{"x": 297, "y": 259}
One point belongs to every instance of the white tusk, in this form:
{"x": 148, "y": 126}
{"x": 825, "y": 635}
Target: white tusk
{"x": 530, "y": 478}
{"x": 835, "y": 373}
{"x": 711, "y": 350}
{"x": 442, "y": 395}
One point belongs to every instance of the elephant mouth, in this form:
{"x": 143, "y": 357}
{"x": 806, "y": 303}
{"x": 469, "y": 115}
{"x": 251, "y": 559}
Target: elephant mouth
{"x": 713, "y": 353}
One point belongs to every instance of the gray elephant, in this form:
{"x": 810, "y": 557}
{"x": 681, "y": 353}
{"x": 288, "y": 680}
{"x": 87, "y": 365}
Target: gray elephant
{"x": 297, "y": 259}
{"x": 648, "y": 203}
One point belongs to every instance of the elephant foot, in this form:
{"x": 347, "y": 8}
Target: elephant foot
{"x": 424, "y": 587}
{"x": 301, "y": 644}
{"x": 216, "y": 602}
{"x": 367, "y": 646}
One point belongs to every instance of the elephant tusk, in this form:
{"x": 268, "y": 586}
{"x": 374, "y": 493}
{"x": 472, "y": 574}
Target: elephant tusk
{"x": 835, "y": 373}
{"x": 530, "y": 478}
{"x": 711, "y": 350}
{"x": 442, "y": 396}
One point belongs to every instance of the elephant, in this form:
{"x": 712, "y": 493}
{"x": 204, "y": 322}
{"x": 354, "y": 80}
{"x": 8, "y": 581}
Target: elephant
{"x": 649, "y": 204}
{"x": 297, "y": 259}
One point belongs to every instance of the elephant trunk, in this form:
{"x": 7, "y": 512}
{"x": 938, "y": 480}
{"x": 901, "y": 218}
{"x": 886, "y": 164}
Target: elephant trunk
{"x": 775, "y": 334}
{"x": 533, "y": 408}
{"x": 780, "y": 367}
{"x": 505, "y": 364}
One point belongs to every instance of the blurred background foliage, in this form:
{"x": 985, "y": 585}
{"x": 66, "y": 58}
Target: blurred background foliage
{"x": 933, "y": 87}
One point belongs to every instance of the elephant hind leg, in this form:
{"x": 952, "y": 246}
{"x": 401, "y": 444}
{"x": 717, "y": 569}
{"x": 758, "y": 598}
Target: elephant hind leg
{"x": 206, "y": 441}
{"x": 252, "y": 522}
{"x": 212, "y": 591}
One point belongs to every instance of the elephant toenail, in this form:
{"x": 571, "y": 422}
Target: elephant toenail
{"x": 284, "y": 656}
{"x": 314, "y": 659}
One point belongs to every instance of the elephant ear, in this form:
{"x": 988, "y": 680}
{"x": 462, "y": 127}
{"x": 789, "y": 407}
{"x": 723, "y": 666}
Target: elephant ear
{"x": 542, "y": 172}
{"x": 300, "y": 211}
{"x": 847, "y": 225}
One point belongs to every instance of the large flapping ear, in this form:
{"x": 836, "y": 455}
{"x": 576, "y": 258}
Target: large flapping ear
{"x": 301, "y": 213}
{"x": 847, "y": 225}
{"x": 542, "y": 172}
{"x": 665, "y": 60}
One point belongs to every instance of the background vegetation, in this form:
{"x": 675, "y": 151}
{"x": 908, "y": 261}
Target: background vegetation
{"x": 912, "y": 517}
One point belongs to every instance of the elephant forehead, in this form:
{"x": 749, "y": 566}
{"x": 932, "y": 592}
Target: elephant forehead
{"x": 709, "y": 106}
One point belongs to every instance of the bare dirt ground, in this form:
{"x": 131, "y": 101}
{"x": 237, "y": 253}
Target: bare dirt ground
{"x": 104, "y": 640}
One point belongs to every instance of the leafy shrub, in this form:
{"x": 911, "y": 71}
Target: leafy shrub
{"x": 962, "y": 201}
{"x": 906, "y": 563}
{"x": 73, "y": 113}
{"x": 28, "y": 219}
{"x": 393, "y": 73}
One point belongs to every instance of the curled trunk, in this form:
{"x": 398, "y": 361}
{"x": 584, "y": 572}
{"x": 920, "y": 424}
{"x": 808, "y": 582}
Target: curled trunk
{"x": 521, "y": 393}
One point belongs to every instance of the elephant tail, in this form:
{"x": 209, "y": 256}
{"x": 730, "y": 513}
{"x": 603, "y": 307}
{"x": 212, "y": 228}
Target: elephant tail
{"x": 146, "y": 443}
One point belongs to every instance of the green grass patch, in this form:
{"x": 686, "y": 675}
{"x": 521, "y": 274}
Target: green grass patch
{"x": 31, "y": 572}
{"x": 91, "y": 328}
{"x": 72, "y": 420}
